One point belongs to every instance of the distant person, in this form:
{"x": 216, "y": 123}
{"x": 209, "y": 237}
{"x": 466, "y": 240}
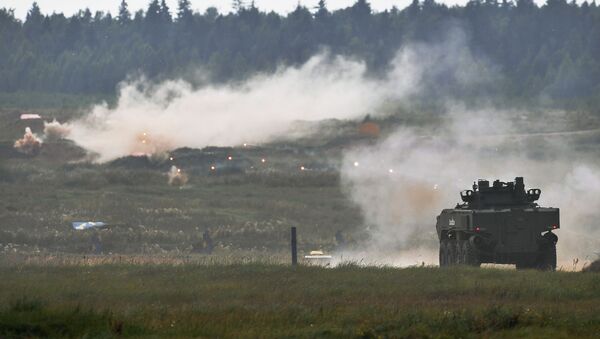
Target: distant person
{"x": 96, "y": 243}
{"x": 208, "y": 242}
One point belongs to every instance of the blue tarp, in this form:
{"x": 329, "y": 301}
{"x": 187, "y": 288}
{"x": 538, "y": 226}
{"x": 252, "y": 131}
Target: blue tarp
{"x": 85, "y": 225}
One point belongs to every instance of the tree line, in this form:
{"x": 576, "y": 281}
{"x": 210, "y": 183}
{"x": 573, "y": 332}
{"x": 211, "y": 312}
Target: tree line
{"x": 549, "y": 51}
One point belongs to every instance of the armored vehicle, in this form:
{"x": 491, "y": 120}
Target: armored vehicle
{"x": 500, "y": 224}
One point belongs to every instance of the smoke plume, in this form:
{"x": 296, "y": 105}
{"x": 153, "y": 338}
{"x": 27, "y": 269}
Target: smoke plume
{"x": 403, "y": 182}
{"x": 29, "y": 144}
{"x": 177, "y": 177}
{"x": 151, "y": 118}
{"x": 54, "y": 131}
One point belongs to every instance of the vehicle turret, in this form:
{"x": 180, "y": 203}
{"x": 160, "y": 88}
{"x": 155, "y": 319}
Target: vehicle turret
{"x": 499, "y": 194}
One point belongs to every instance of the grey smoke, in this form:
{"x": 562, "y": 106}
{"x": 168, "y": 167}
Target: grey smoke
{"x": 404, "y": 181}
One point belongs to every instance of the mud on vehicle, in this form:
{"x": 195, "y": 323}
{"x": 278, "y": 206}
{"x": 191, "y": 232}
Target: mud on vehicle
{"x": 499, "y": 224}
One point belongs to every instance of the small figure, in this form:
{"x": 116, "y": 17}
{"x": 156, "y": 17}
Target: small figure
{"x": 96, "y": 243}
{"x": 204, "y": 246}
{"x": 208, "y": 243}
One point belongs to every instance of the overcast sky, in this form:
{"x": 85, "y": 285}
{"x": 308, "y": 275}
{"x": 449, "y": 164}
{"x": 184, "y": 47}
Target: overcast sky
{"x": 283, "y": 6}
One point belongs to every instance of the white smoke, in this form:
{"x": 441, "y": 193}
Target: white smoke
{"x": 54, "y": 130}
{"x": 156, "y": 118}
{"x": 403, "y": 182}
{"x": 174, "y": 114}
{"x": 177, "y": 177}
{"x": 400, "y": 184}
{"x": 29, "y": 144}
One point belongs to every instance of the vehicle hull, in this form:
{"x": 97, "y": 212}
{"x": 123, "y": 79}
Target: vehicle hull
{"x": 504, "y": 236}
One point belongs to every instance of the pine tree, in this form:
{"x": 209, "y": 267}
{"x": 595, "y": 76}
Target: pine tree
{"x": 322, "y": 11}
{"x": 34, "y": 14}
{"x": 361, "y": 7}
{"x": 153, "y": 13}
{"x": 33, "y": 26}
{"x": 506, "y": 4}
{"x": 87, "y": 53}
{"x": 165, "y": 13}
{"x": 525, "y": 4}
{"x": 86, "y": 16}
{"x": 413, "y": 8}
{"x": 238, "y": 6}
{"x": 184, "y": 11}
{"x": 124, "y": 14}
{"x": 153, "y": 23}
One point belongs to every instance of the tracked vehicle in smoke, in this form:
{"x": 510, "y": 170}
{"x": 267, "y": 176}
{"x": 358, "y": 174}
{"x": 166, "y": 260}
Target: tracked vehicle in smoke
{"x": 502, "y": 224}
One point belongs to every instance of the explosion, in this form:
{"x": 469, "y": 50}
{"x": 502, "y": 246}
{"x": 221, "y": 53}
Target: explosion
{"x": 56, "y": 131}
{"x": 30, "y": 144}
{"x": 177, "y": 177}
{"x": 154, "y": 147}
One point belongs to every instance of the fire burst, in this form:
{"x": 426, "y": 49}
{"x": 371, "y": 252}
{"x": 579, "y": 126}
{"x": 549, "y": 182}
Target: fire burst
{"x": 30, "y": 143}
{"x": 151, "y": 146}
{"x": 177, "y": 177}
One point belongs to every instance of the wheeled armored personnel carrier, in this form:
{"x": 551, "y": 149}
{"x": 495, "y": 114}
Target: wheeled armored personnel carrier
{"x": 499, "y": 223}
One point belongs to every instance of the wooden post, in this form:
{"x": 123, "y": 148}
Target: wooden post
{"x": 294, "y": 248}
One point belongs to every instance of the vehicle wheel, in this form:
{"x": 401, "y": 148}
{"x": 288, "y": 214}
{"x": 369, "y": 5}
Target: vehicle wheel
{"x": 547, "y": 258}
{"x": 443, "y": 255}
{"x": 451, "y": 253}
{"x": 470, "y": 255}
{"x": 459, "y": 253}
{"x": 521, "y": 265}
{"x": 525, "y": 264}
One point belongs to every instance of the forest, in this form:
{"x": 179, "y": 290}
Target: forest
{"x": 550, "y": 51}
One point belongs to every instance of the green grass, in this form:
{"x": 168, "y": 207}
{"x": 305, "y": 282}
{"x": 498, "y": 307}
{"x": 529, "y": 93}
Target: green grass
{"x": 258, "y": 300}
{"x": 243, "y": 212}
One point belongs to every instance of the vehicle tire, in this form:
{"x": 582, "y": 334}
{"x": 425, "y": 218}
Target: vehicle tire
{"x": 443, "y": 258}
{"x": 470, "y": 255}
{"x": 547, "y": 258}
{"x": 526, "y": 263}
{"x": 451, "y": 253}
{"x": 459, "y": 253}
{"x": 521, "y": 265}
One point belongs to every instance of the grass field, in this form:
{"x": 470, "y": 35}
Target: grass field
{"x": 259, "y": 300}
{"x": 149, "y": 279}
{"x": 251, "y": 212}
